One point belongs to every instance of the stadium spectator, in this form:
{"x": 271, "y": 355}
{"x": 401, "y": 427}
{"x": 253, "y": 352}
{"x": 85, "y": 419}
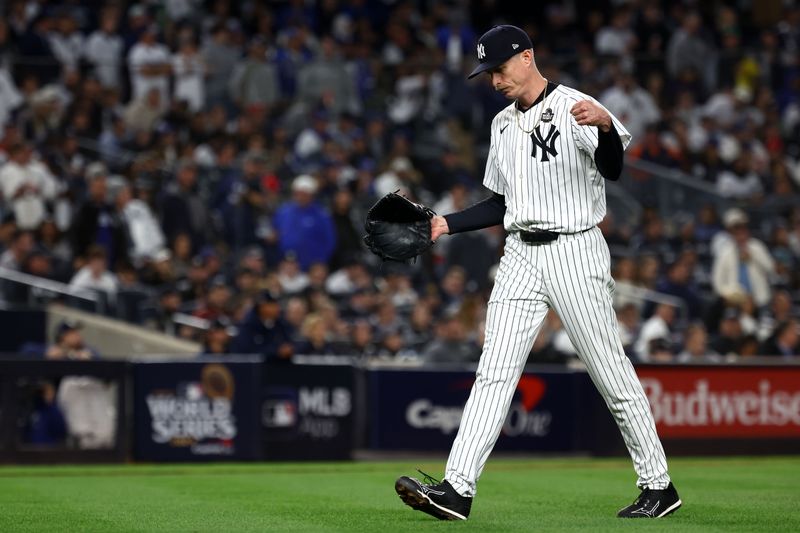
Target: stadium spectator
{"x": 740, "y": 182}
{"x": 241, "y": 200}
{"x": 617, "y": 39}
{"x": 730, "y": 337}
{"x": 292, "y": 279}
{"x": 255, "y": 81}
{"x": 265, "y": 331}
{"x": 20, "y": 245}
{"x": 743, "y": 265}
{"x": 689, "y": 50}
{"x": 190, "y": 71}
{"x": 785, "y": 341}
{"x": 695, "y": 347}
{"x": 450, "y": 344}
{"x": 779, "y": 311}
{"x": 34, "y": 45}
{"x": 221, "y": 56}
{"x": 69, "y": 343}
{"x": 150, "y": 66}
{"x": 46, "y": 425}
{"x": 27, "y": 185}
{"x": 303, "y": 226}
{"x": 67, "y": 42}
{"x": 183, "y": 210}
{"x": 361, "y": 341}
{"x": 144, "y": 112}
{"x": 169, "y": 303}
{"x": 147, "y": 241}
{"x": 217, "y": 337}
{"x": 678, "y": 283}
{"x": 348, "y": 238}
{"x": 628, "y": 318}
{"x": 315, "y": 337}
{"x": 216, "y": 301}
{"x": 104, "y": 50}
{"x": 96, "y": 221}
{"x": 88, "y": 403}
{"x": 656, "y": 328}
{"x": 633, "y": 105}
{"x": 95, "y": 275}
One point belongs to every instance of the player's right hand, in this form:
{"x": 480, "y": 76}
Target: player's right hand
{"x": 439, "y": 227}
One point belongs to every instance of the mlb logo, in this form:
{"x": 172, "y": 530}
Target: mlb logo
{"x": 279, "y": 413}
{"x": 279, "y": 410}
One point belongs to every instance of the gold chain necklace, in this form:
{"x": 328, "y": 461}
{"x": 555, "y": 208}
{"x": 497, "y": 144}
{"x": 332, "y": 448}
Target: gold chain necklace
{"x": 541, "y": 109}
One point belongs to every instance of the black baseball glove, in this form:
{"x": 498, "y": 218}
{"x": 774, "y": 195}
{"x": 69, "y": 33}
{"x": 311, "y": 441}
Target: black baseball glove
{"x": 397, "y": 228}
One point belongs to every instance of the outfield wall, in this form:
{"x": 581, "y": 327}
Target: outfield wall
{"x": 238, "y": 408}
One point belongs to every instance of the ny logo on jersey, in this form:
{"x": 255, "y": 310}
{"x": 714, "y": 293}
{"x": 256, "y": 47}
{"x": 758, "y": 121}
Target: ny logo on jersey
{"x": 481, "y": 51}
{"x": 547, "y": 143}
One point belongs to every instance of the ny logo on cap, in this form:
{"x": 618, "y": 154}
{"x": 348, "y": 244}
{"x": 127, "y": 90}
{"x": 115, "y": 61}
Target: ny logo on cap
{"x": 481, "y": 51}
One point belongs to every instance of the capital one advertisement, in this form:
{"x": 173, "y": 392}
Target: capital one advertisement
{"x": 196, "y": 410}
{"x": 421, "y": 410}
{"x": 735, "y": 402}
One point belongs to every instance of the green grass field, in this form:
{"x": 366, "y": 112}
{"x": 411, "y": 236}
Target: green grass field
{"x": 731, "y": 494}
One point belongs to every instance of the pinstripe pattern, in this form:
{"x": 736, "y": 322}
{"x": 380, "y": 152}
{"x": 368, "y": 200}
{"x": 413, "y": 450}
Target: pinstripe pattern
{"x": 565, "y": 194}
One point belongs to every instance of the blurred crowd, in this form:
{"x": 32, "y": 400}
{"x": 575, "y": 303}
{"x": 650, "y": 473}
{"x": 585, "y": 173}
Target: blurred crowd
{"x": 205, "y": 168}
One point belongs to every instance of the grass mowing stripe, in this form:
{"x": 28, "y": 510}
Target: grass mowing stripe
{"x": 738, "y": 494}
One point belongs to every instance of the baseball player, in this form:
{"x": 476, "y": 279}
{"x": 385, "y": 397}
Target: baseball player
{"x": 550, "y": 152}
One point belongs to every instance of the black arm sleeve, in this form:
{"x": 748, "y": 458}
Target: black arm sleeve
{"x": 488, "y": 212}
{"x": 608, "y": 155}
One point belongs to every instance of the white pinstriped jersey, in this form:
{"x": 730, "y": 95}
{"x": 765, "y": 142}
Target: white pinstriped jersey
{"x": 548, "y": 177}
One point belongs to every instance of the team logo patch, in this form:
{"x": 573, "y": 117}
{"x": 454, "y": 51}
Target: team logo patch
{"x": 481, "y": 51}
{"x": 547, "y": 143}
{"x": 515, "y": 46}
{"x": 547, "y": 116}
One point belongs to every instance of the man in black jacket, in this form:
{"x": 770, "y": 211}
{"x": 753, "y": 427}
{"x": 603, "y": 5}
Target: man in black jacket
{"x": 96, "y": 221}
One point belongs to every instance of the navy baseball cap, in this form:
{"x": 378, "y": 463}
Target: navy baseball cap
{"x": 499, "y": 44}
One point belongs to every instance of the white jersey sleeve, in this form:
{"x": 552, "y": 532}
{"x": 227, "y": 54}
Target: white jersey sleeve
{"x": 586, "y": 136}
{"x": 492, "y": 179}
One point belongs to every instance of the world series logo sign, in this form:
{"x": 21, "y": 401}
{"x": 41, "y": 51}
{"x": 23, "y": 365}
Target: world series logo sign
{"x": 196, "y": 410}
{"x": 196, "y": 415}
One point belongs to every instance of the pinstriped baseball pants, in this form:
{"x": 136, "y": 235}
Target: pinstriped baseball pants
{"x": 571, "y": 275}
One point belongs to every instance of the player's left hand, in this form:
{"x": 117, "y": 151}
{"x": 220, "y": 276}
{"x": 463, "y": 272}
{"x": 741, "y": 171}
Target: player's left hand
{"x": 587, "y": 113}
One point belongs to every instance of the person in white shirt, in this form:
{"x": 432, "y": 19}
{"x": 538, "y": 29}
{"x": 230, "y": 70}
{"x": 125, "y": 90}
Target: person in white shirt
{"x": 149, "y": 63}
{"x": 104, "y": 51}
{"x": 189, "y": 69}
{"x": 741, "y": 182}
{"x": 67, "y": 42}
{"x": 27, "y": 185}
{"x": 146, "y": 238}
{"x": 95, "y": 275}
{"x": 634, "y": 106}
{"x": 743, "y": 264}
{"x": 655, "y": 327}
{"x": 617, "y": 39}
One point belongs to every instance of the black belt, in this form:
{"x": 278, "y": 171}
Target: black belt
{"x": 542, "y": 236}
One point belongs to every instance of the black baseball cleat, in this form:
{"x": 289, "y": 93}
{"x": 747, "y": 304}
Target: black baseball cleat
{"x": 653, "y": 503}
{"x": 436, "y": 498}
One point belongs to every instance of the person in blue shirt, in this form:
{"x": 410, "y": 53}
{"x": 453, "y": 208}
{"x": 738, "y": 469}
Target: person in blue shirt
{"x": 304, "y": 227}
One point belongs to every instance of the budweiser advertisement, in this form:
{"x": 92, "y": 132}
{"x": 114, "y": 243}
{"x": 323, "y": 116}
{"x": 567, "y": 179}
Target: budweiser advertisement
{"x": 709, "y": 401}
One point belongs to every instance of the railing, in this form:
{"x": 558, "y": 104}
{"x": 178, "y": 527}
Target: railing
{"x": 669, "y": 190}
{"x": 39, "y": 285}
